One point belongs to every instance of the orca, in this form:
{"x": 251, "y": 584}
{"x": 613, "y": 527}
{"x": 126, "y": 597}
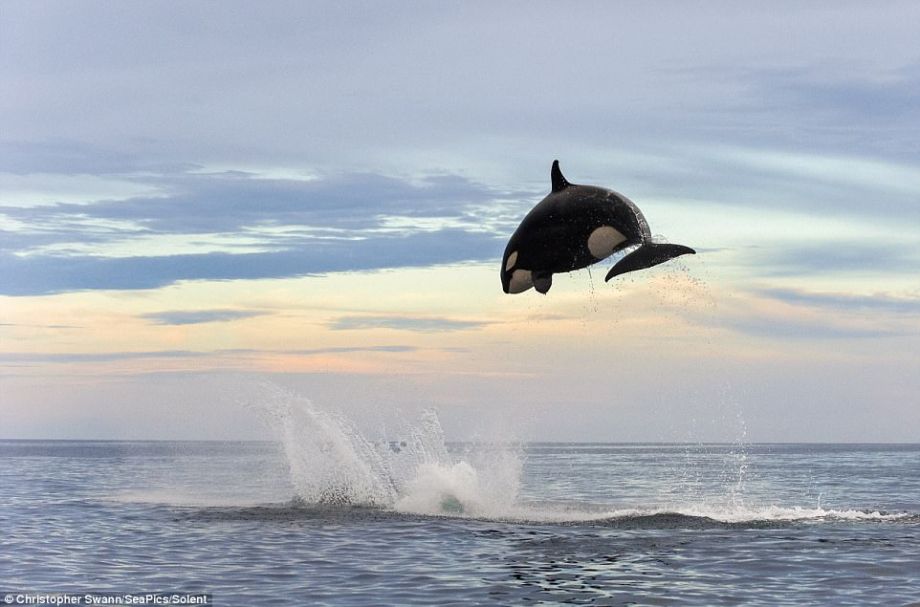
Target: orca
{"x": 574, "y": 227}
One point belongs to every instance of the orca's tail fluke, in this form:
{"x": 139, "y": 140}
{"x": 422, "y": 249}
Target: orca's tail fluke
{"x": 647, "y": 255}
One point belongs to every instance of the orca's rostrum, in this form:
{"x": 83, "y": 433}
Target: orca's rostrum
{"x": 576, "y": 226}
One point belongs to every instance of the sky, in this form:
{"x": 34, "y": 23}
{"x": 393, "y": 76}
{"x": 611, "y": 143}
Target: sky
{"x": 199, "y": 199}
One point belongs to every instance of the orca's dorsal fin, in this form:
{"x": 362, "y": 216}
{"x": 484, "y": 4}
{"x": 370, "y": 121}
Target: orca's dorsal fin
{"x": 559, "y": 182}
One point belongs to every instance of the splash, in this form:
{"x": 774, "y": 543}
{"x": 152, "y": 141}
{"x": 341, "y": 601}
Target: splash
{"x": 406, "y": 467}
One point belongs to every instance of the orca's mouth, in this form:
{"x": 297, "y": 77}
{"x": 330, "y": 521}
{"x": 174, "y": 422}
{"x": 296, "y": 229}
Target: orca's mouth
{"x": 517, "y": 281}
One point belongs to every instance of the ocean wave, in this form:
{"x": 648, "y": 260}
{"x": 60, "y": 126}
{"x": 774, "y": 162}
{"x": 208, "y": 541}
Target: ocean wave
{"x": 697, "y": 517}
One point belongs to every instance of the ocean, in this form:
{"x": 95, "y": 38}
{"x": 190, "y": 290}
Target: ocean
{"x": 330, "y": 515}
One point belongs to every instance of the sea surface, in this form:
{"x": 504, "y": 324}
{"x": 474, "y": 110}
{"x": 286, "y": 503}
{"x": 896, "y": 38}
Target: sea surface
{"x": 327, "y": 516}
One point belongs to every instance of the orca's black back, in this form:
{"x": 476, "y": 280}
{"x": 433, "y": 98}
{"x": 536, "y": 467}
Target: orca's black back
{"x": 554, "y": 235}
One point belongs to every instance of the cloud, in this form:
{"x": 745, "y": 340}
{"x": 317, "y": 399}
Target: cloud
{"x": 73, "y": 157}
{"x": 868, "y": 190}
{"x": 404, "y": 323}
{"x": 396, "y": 349}
{"x": 95, "y": 357}
{"x": 316, "y": 83}
{"x": 880, "y": 303}
{"x": 193, "y": 317}
{"x": 824, "y": 258}
{"x": 235, "y": 225}
{"x": 822, "y": 97}
{"x": 386, "y": 146}
{"x": 40, "y": 326}
{"x": 797, "y": 315}
{"x": 229, "y": 226}
{"x": 40, "y": 275}
{"x": 231, "y": 201}
{"x": 801, "y": 329}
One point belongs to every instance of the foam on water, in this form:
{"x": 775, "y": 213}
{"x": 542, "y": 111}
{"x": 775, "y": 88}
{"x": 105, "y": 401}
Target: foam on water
{"x": 742, "y": 514}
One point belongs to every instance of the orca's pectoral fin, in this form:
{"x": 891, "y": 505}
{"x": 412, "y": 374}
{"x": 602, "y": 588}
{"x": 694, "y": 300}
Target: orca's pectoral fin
{"x": 542, "y": 281}
{"x": 647, "y": 255}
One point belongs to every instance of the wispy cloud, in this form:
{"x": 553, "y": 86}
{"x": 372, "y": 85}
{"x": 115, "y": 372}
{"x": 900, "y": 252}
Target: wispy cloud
{"x": 396, "y": 349}
{"x": 97, "y": 357}
{"x": 72, "y": 157}
{"x": 847, "y": 302}
{"x": 40, "y": 326}
{"x": 39, "y": 275}
{"x": 834, "y": 256}
{"x": 404, "y": 323}
{"x": 237, "y": 226}
{"x": 231, "y": 201}
{"x": 783, "y": 327}
{"x": 786, "y": 314}
{"x": 194, "y": 317}
{"x": 93, "y": 357}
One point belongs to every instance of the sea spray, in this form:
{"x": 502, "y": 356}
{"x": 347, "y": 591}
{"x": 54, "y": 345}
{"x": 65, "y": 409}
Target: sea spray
{"x": 406, "y": 466}
{"x": 483, "y": 481}
{"x": 329, "y": 460}
{"x": 741, "y": 458}
{"x": 437, "y": 488}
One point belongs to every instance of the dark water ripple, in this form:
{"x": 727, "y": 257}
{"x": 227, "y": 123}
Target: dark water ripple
{"x": 76, "y": 523}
